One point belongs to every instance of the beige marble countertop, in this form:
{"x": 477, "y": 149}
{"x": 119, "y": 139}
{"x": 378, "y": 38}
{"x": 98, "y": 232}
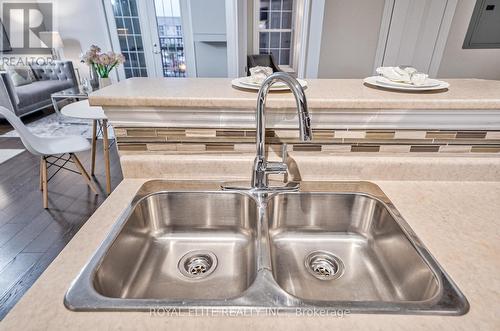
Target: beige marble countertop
{"x": 321, "y": 94}
{"x": 458, "y": 221}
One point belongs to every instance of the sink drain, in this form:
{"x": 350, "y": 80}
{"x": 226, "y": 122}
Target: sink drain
{"x": 324, "y": 265}
{"x": 197, "y": 264}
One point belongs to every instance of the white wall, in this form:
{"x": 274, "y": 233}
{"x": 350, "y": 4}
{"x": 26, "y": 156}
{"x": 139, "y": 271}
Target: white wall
{"x": 349, "y": 39}
{"x": 348, "y": 44}
{"x": 81, "y": 23}
{"x": 467, "y": 63}
{"x": 250, "y": 26}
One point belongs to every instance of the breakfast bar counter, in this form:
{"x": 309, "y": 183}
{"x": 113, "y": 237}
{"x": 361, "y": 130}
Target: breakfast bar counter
{"x": 321, "y": 94}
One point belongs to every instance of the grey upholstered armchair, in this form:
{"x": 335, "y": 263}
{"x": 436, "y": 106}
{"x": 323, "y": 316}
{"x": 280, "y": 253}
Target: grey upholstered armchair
{"x": 49, "y": 78}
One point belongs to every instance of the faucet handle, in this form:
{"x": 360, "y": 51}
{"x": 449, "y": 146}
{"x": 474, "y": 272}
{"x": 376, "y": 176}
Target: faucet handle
{"x": 276, "y": 168}
{"x": 284, "y": 153}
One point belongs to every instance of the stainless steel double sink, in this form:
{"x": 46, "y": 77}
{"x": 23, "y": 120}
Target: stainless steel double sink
{"x": 331, "y": 246}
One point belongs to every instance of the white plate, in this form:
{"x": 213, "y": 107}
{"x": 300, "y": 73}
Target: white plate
{"x": 374, "y": 81}
{"x": 428, "y": 83}
{"x": 248, "y": 81}
{"x": 239, "y": 84}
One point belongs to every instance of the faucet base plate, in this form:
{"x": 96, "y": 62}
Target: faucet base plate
{"x": 274, "y": 186}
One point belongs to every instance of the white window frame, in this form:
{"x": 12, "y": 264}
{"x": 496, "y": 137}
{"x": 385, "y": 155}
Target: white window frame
{"x": 300, "y": 21}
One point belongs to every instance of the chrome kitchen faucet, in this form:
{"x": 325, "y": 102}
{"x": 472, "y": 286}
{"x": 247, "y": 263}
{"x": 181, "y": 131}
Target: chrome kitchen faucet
{"x": 261, "y": 167}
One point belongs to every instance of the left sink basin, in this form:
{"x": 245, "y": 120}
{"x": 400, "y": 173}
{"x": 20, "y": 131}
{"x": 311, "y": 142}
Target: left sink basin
{"x": 182, "y": 246}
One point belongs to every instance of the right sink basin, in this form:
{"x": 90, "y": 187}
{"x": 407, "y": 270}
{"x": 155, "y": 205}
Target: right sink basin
{"x": 347, "y": 247}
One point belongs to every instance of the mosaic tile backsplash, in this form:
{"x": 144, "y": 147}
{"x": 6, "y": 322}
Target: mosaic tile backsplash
{"x": 195, "y": 140}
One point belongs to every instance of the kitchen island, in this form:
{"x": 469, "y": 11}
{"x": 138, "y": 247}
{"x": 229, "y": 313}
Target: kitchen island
{"x": 165, "y": 116}
{"x": 448, "y": 195}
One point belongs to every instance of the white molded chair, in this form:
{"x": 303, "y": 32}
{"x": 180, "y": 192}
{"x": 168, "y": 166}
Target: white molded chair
{"x": 51, "y": 150}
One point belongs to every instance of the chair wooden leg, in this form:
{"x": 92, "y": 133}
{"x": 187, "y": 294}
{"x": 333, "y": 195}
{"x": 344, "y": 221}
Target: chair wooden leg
{"x": 105, "y": 142}
{"x": 94, "y": 142}
{"x": 41, "y": 177}
{"x": 84, "y": 173}
{"x": 45, "y": 193}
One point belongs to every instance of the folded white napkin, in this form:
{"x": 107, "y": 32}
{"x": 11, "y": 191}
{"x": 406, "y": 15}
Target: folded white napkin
{"x": 408, "y": 75}
{"x": 259, "y": 74}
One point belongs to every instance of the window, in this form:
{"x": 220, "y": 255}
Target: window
{"x": 130, "y": 37}
{"x": 168, "y": 18}
{"x": 161, "y": 30}
{"x": 275, "y": 28}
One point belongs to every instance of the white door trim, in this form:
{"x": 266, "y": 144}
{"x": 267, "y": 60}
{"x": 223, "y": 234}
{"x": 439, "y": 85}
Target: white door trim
{"x": 150, "y": 37}
{"x": 242, "y": 37}
{"x": 255, "y": 26}
{"x": 444, "y": 31}
{"x": 236, "y": 37}
{"x": 301, "y": 35}
{"x": 316, "y": 16}
{"x": 147, "y": 34}
{"x": 187, "y": 34}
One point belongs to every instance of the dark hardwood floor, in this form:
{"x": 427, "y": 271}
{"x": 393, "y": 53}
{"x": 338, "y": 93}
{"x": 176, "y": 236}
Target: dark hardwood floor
{"x": 30, "y": 236}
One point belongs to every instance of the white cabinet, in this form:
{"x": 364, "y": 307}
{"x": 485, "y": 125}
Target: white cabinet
{"x": 211, "y": 58}
{"x": 208, "y": 21}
